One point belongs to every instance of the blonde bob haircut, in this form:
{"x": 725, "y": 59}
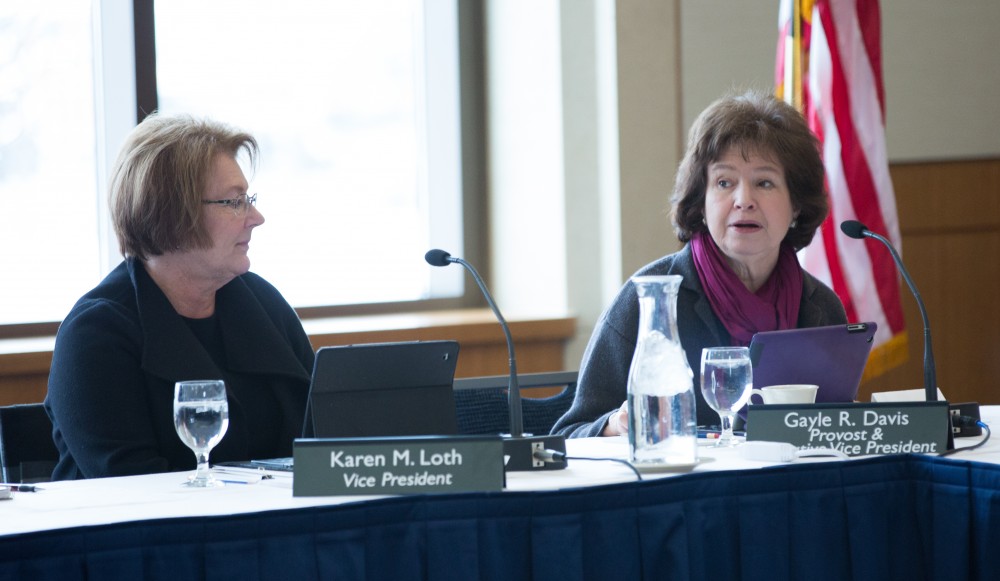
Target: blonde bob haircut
{"x": 159, "y": 180}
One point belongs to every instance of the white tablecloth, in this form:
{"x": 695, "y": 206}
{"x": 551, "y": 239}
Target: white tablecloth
{"x": 111, "y": 500}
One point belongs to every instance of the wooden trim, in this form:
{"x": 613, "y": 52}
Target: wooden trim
{"x": 539, "y": 344}
{"x": 26, "y": 356}
{"x": 475, "y": 326}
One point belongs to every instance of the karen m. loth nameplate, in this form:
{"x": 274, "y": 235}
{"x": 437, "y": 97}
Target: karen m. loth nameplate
{"x": 411, "y": 465}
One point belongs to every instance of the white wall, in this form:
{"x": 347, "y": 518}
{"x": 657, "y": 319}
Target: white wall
{"x": 630, "y": 91}
{"x": 590, "y": 131}
{"x": 525, "y": 144}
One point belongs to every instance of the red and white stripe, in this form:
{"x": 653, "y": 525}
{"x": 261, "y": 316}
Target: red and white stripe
{"x": 844, "y": 103}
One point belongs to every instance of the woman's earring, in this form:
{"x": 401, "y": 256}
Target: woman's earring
{"x": 794, "y": 224}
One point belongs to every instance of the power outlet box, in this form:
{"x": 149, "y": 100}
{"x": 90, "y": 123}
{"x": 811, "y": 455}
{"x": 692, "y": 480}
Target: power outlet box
{"x": 519, "y": 453}
{"x": 963, "y": 419}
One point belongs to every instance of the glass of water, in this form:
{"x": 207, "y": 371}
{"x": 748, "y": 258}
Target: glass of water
{"x": 201, "y": 418}
{"x": 726, "y": 380}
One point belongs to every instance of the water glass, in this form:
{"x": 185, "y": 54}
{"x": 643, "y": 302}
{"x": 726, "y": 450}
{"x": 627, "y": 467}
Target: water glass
{"x": 201, "y": 418}
{"x": 726, "y": 381}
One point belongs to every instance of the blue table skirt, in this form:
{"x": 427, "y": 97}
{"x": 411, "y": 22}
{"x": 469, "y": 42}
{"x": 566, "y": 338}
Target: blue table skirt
{"x": 894, "y": 517}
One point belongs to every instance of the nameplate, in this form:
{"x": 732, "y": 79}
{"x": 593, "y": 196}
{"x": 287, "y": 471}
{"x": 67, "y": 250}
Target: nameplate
{"x": 413, "y": 465}
{"x": 856, "y": 429}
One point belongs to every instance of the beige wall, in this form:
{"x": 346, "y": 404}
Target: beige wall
{"x": 941, "y": 64}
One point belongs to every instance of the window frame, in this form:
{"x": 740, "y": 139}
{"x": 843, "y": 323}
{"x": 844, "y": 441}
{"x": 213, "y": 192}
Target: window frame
{"x": 473, "y": 178}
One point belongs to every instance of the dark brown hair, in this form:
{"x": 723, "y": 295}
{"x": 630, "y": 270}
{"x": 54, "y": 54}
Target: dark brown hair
{"x": 752, "y": 121}
{"x": 159, "y": 179}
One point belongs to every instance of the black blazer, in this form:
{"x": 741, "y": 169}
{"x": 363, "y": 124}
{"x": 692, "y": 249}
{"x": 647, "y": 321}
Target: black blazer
{"x": 121, "y": 349}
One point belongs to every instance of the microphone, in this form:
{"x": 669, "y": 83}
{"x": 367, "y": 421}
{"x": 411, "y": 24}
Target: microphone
{"x": 857, "y": 230}
{"x": 437, "y": 257}
{"x": 518, "y": 448}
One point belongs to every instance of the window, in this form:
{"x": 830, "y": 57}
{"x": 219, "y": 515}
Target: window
{"x": 356, "y": 105}
{"x": 48, "y": 161}
{"x": 348, "y": 99}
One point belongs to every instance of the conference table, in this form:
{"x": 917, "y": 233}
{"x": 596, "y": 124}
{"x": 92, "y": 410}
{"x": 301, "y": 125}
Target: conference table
{"x": 728, "y": 519}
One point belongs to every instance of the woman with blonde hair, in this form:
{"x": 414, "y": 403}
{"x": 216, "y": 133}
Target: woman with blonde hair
{"x": 181, "y": 306}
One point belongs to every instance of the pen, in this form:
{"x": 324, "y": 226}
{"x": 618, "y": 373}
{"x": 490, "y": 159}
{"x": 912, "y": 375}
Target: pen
{"x": 20, "y": 487}
{"x": 714, "y": 435}
{"x": 252, "y": 476}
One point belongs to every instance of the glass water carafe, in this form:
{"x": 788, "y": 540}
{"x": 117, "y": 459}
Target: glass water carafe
{"x": 661, "y": 401}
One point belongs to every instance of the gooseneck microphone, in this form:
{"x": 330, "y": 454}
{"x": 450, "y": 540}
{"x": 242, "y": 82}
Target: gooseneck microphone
{"x": 857, "y": 230}
{"x": 437, "y": 257}
{"x": 522, "y": 452}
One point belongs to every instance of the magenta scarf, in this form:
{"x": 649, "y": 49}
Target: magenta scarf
{"x": 774, "y": 306}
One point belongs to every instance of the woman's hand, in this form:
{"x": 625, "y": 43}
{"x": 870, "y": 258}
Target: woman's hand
{"x": 617, "y": 422}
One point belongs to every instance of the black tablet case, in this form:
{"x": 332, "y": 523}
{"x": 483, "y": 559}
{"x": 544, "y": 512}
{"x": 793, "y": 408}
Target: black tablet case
{"x": 384, "y": 389}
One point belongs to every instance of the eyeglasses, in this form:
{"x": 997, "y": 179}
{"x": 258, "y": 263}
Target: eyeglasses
{"x": 240, "y": 205}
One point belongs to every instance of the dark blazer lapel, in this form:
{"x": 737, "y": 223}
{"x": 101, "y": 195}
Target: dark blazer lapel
{"x": 254, "y": 344}
{"x": 169, "y": 349}
{"x": 810, "y": 314}
{"x": 172, "y": 352}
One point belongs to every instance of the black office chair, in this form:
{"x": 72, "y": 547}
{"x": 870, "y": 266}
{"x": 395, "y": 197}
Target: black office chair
{"x": 482, "y": 407}
{"x": 27, "y": 453}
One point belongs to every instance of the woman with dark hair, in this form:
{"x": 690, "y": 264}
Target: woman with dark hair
{"x": 749, "y": 194}
{"x": 181, "y": 306}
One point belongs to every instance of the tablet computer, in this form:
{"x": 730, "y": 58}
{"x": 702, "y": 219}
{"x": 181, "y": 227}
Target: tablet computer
{"x": 832, "y": 357}
{"x": 384, "y": 389}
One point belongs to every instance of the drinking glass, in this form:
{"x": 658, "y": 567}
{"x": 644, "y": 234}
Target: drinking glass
{"x": 201, "y": 418}
{"x": 726, "y": 380}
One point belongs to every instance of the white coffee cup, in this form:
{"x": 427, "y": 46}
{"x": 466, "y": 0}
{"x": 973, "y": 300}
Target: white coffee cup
{"x": 795, "y": 393}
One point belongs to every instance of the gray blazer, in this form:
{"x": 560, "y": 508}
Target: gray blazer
{"x": 603, "y": 378}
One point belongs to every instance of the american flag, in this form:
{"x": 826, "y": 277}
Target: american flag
{"x": 829, "y": 65}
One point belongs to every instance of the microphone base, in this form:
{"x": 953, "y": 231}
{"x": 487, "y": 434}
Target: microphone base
{"x": 519, "y": 453}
